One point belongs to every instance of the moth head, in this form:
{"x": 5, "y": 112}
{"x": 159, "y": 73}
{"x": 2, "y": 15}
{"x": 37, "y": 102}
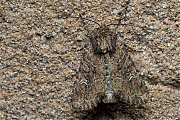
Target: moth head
{"x": 103, "y": 40}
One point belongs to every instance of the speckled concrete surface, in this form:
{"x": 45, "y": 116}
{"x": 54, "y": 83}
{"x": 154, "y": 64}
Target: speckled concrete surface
{"x": 40, "y": 52}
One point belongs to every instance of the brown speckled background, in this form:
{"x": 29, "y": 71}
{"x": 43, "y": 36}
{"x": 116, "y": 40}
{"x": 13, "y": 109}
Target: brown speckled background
{"x": 40, "y": 46}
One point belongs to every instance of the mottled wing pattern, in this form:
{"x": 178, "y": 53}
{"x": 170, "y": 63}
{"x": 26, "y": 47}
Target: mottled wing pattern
{"x": 107, "y": 73}
{"x": 89, "y": 89}
{"x": 128, "y": 85}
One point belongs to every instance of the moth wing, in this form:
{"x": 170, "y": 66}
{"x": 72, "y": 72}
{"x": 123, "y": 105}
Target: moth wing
{"x": 89, "y": 89}
{"x": 128, "y": 86}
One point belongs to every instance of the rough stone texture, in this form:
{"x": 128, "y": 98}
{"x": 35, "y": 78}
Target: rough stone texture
{"x": 40, "y": 53}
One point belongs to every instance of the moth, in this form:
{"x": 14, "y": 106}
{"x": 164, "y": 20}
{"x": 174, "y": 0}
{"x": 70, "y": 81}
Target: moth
{"x": 106, "y": 73}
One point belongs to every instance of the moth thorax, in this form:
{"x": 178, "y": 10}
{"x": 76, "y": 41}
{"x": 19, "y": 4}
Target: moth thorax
{"x": 105, "y": 44}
